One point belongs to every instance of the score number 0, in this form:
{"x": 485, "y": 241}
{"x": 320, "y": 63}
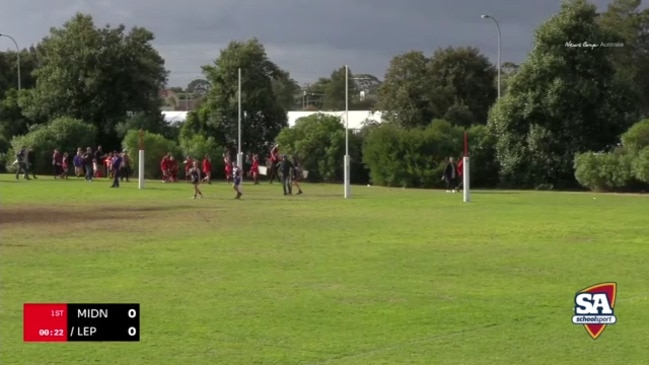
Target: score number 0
{"x": 132, "y": 313}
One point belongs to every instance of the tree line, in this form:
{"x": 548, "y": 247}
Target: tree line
{"x": 571, "y": 114}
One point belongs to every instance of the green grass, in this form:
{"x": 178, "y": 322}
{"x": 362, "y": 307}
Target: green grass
{"x": 392, "y": 276}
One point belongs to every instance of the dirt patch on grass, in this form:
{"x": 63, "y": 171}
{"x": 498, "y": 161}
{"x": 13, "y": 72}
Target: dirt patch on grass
{"x": 54, "y": 221}
{"x": 52, "y": 216}
{"x": 33, "y": 215}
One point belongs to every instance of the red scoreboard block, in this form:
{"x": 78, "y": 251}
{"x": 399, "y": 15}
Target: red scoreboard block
{"x": 45, "y": 322}
{"x": 90, "y": 322}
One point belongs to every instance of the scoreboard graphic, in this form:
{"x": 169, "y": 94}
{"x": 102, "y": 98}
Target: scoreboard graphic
{"x": 47, "y": 322}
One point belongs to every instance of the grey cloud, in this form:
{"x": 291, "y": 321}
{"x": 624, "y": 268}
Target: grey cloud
{"x": 308, "y": 38}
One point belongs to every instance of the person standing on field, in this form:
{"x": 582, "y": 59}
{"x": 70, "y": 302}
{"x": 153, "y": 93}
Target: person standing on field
{"x": 78, "y": 163}
{"x": 21, "y": 161}
{"x": 460, "y": 173}
{"x": 99, "y": 158}
{"x": 87, "y": 159}
{"x": 207, "y": 169}
{"x": 254, "y": 169}
{"x": 64, "y": 166}
{"x": 285, "y": 167}
{"x": 194, "y": 174}
{"x": 31, "y": 162}
{"x": 57, "y": 162}
{"x": 116, "y": 166}
{"x": 227, "y": 166}
{"x": 274, "y": 160}
{"x": 450, "y": 175}
{"x": 125, "y": 170}
{"x": 236, "y": 178}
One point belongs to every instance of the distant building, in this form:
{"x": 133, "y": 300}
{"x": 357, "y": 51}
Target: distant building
{"x": 178, "y": 101}
{"x": 174, "y": 117}
{"x": 357, "y": 118}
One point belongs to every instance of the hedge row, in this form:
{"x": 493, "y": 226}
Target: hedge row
{"x": 381, "y": 154}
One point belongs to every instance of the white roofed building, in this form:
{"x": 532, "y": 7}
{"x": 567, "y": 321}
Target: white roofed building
{"x": 175, "y": 118}
{"x": 357, "y": 118}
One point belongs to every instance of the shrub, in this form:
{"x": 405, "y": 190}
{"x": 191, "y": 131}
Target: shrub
{"x": 482, "y": 150}
{"x": 640, "y": 165}
{"x": 155, "y": 147}
{"x": 603, "y": 171}
{"x": 637, "y": 137}
{"x": 410, "y": 157}
{"x": 65, "y": 134}
{"x": 197, "y": 146}
{"x": 319, "y": 142}
{"x": 152, "y": 122}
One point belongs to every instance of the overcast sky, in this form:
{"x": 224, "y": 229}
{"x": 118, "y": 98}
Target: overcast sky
{"x": 309, "y": 38}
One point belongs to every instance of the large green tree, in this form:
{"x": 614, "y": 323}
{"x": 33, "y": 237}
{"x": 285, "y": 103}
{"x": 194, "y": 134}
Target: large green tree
{"x": 334, "y": 91}
{"x": 404, "y": 96}
{"x": 464, "y": 80}
{"x": 563, "y": 100}
{"x": 286, "y": 90}
{"x": 97, "y": 75}
{"x": 263, "y": 113}
{"x": 313, "y": 94}
{"x": 319, "y": 143}
{"x": 456, "y": 84}
{"x": 328, "y": 93}
{"x": 198, "y": 87}
{"x": 12, "y": 120}
{"x": 631, "y": 57}
{"x": 29, "y": 61}
{"x": 508, "y": 70}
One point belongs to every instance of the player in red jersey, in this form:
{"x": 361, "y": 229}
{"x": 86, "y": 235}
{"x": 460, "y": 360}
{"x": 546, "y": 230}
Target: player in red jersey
{"x": 274, "y": 160}
{"x": 207, "y": 169}
{"x": 173, "y": 169}
{"x": 228, "y": 167}
{"x": 164, "y": 167}
{"x": 64, "y": 166}
{"x": 254, "y": 169}
{"x": 108, "y": 162}
{"x": 460, "y": 172}
{"x": 56, "y": 163}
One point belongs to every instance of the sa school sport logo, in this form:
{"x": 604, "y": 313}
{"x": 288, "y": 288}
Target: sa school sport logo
{"x": 594, "y": 308}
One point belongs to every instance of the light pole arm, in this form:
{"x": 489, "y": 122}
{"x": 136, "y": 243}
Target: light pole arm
{"x": 499, "y": 51}
{"x": 17, "y": 56}
{"x": 485, "y": 16}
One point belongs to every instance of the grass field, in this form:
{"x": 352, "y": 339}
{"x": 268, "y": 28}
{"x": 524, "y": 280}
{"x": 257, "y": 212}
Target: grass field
{"x": 392, "y": 276}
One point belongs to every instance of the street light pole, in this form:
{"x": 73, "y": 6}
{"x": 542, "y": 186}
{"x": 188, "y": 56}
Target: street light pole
{"x": 346, "y": 162}
{"x": 17, "y": 56}
{"x": 499, "y": 47}
{"x": 239, "y": 152}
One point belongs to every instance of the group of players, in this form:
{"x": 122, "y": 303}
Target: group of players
{"x": 198, "y": 172}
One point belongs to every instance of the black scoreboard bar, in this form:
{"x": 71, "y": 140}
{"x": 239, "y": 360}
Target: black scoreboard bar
{"x": 103, "y": 322}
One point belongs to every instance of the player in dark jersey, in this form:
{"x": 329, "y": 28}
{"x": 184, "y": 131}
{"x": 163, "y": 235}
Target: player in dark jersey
{"x": 195, "y": 176}
{"x": 236, "y": 178}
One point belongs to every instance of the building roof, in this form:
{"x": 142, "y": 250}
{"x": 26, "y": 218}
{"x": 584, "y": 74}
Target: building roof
{"x": 173, "y": 117}
{"x": 357, "y": 118}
